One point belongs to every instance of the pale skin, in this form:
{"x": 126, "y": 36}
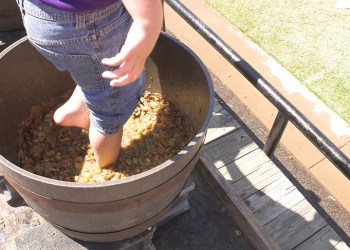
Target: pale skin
{"x": 141, "y": 38}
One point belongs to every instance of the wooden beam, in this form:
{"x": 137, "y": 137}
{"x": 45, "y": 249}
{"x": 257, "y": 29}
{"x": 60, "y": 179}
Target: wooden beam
{"x": 240, "y": 213}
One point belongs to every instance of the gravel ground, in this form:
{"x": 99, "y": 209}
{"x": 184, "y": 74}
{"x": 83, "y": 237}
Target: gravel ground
{"x": 206, "y": 225}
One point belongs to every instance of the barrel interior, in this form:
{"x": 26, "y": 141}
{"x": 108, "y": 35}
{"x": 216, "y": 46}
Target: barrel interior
{"x": 28, "y": 79}
{"x": 102, "y": 211}
{"x": 10, "y": 16}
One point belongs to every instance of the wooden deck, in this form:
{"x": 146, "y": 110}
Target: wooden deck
{"x": 264, "y": 203}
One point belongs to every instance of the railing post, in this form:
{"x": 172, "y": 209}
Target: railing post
{"x": 276, "y": 133}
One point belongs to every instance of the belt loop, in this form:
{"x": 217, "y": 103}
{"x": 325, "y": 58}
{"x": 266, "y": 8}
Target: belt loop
{"x": 20, "y": 4}
{"x": 80, "y": 20}
{"x": 23, "y": 11}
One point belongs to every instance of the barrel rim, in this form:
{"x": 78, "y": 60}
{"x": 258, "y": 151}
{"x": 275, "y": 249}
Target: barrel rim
{"x": 201, "y": 133}
{"x": 12, "y": 46}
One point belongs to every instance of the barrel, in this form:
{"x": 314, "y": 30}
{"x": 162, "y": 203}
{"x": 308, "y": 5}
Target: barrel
{"x": 10, "y": 16}
{"x": 118, "y": 209}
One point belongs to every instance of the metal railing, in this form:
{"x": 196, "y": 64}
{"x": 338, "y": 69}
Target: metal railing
{"x": 286, "y": 111}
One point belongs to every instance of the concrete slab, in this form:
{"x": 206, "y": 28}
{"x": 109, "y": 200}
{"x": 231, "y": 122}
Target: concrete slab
{"x": 45, "y": 236}
{"x": 334, "y": 179}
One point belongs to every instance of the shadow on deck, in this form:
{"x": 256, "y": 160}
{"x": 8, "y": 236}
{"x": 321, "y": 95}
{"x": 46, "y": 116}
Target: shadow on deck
{"x": 268, "y": 207}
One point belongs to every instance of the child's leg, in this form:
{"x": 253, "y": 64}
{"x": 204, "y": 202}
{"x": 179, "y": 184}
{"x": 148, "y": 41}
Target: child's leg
{"x": 101, "y": 108}
{"x": 106, "y": 147}
{"x": 74, "y": 112}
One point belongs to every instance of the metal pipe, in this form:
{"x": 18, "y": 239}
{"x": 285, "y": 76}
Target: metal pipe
{"x": 310, "y": 131}
{"x": 275, "y": 134}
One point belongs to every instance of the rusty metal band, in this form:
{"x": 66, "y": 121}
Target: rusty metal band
{"x": 117, "y": 235}
{"x": 105, "y": 207}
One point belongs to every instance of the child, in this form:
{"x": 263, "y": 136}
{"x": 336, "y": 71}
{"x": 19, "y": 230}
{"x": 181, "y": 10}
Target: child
{"x": 104, "y": 45}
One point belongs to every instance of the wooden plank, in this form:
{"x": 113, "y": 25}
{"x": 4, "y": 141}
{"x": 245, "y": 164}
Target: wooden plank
{"x": 245, "y": 165}
{"x": 220, "y": 124}
{"x": 256, "y": 188}
{"x": 324, "y": 239}
{"x": 295, "y": 225}
{"x": 302, "y": 229}
{"x": 263, "y": 172}
{"x": 341, "y": 246}
{"x": 255, "y": 181}
{"x": 240, "y": 213}
{"x": 286, "y": 218}
{"x": 229, "y": 148}
{"x": 251, "y": 170}
{"x": 269, "y": 213}
{"x": 269, "y": 194}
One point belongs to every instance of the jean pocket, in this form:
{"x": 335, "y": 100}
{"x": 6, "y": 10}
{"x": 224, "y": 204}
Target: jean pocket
{"x": 84, "y": 69}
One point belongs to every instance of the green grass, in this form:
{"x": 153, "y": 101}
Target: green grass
{"x": 310, "y": 38}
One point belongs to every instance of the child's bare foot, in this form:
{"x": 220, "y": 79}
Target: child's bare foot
{"x": 106, "y": 146}
{"x": 73, "y": 112}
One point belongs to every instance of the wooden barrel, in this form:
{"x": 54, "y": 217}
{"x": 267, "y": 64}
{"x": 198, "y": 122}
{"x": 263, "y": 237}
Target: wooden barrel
{"x": 10, "y": 16}
{"x": 111, "y": 210}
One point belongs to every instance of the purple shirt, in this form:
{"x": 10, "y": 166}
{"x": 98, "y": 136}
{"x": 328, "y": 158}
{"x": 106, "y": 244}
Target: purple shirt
{"x": 79, "y": 5}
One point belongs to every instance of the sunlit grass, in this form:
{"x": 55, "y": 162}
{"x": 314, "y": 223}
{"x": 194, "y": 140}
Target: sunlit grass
{"x": 309, "y": 38}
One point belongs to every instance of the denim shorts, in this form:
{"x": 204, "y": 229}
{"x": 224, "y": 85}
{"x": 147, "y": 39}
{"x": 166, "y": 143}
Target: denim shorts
{"x": 77, "y": 42}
